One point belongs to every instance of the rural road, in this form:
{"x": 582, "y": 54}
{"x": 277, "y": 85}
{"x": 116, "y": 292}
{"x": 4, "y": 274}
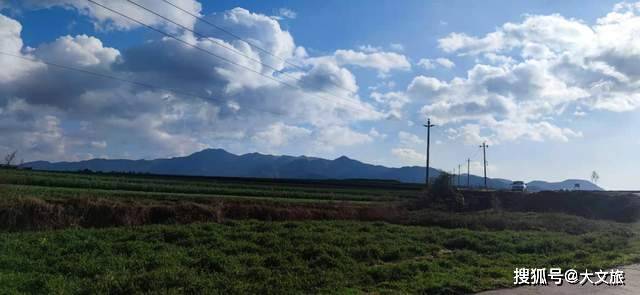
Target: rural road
{"x": 632, "y": 286}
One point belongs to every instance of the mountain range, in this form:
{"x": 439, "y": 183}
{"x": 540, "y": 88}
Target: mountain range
{"x": 218, "y": 162}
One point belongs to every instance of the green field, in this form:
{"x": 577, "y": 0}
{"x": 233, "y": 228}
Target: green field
{"x": 292, "y": 257}
{"x": 405, "y": 251}
{"x": 165, "y": 186}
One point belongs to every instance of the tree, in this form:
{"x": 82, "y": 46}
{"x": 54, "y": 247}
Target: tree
{"x": 444, "y": 193}
{"x": 8, "y": 159}
{"x": 595, "y": 177}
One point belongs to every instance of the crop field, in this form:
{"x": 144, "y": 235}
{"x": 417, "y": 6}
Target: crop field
{"x": 166, "y": 186}
{"x": 72, "y": 233}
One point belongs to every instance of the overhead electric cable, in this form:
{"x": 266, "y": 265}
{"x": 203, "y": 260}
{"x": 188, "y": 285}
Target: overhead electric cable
{"x": 101, "y": 75}
{"x": 250, "y": 43}
{"x": 216, "y": 55}
{"x": 238, "y": 37}
{"x": 200, "y": 35}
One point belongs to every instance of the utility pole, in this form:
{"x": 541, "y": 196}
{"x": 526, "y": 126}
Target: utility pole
{"x": 468, "y": 168}
{"x": 484, "y": 147}
{"x": 453, "y": 176}
{"x": 428, "y": 125}
{"x": 459, "y": 174}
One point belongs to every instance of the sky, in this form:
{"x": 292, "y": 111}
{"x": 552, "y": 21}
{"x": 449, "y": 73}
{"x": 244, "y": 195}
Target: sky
{"x": 551, "y": 86}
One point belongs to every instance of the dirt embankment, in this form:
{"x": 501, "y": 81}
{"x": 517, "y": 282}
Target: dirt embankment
{"x": 621, "y": 207}
{"x": 40, "y": 214}
{"x": 55, "y": 213}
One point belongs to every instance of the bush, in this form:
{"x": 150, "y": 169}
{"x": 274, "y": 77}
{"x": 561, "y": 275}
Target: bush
{"x": 442, "y": 195}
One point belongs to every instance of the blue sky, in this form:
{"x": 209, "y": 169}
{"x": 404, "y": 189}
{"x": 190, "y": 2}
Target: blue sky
{"x": 550, "y": 85}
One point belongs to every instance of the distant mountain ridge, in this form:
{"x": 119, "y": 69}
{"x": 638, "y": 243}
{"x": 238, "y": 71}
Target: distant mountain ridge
{"x": 218, "y": 162}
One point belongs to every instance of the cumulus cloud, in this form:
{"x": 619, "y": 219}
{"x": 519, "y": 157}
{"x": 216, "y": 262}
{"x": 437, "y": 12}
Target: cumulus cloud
{"x": 81, "y": 50}
{"x": 594, "y": 63}
{"x": 107, "y": 20}
{"x": 31, "y": 130}
{"x": 331, "y": 137}
{"x": 409, "y": 156}
{"x": 405, "y": 151}
{"x": 374, "y": 133}
{"x": 329, "y": 77}
{"x": 279, "y": 134}
{"x": 394, "y": 102}
{"x": 470, "y": 134}
{"x": 528, "y": 72}
{"x": 430, "y": 64}
{"x": 368, "y": 48}
{"x": 12, "y": 68}
{"x": 285, "y": 13}
{"x": 70, "y": 112}
{"x": 370, "y": 57}
{"x": 381, "y": 61}
{"x": 422, "y": 87}
{"x": 260, "y": 30}
{"x": 409, "y": 139}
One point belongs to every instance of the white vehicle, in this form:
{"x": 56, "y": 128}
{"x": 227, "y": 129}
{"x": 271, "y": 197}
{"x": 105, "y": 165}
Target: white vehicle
{"x": 518, "y": 186}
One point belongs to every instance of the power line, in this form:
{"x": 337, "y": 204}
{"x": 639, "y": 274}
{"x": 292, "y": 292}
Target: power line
{"x": 231, "y": 48}
{"x": 203, "y": 36}
{"x": 104, "y": 76}
{"x": 213, "y": 54}
{"x": 475, "y": 154}
{"x": 234, "y": 35}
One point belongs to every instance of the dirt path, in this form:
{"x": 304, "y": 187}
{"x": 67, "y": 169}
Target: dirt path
{"x": 632, "y": 286}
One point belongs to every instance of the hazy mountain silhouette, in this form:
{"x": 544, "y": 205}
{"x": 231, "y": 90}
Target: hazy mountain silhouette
{"x": 218, "y": 162}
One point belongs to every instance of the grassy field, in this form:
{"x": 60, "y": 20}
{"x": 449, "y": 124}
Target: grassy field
{"x": 128, "y": 234}
{"x": 163, "y": 186}
{"x": 292, "y": 257}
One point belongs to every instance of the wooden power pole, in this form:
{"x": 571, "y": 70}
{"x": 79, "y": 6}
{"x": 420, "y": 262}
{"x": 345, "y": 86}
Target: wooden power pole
{"x": 428, "y": 125}
{"x": 484, "y": 147}
{"x": 468, "y": 168}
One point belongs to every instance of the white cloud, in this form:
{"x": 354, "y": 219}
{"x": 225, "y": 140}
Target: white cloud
{"x": 229, "y": 101}
{"x": 381, "y": 61}
{"x": 10, "y": 67}
{"x": 497, "y": 59}
{"x": 31, "y": 130}
{"x": 422, "y": 87}
{"x": 81, "y": 50}
{"x": 279, "y": 134}
{"x": 430, "y": 64}
{"x": 287, "y": 13}
{"x": 445, "y": 62}
{"x": 99, "y": 144}
{"x": 394, "y": 101}
{"x": 409, "y": 139}
{"x": 536, "y": 69}
{"x": 335, "y": 136}
{"x": 409, "y": 156}
{"x": 261, "y": 30}
{"x": 108, "y": 20}
{"x": 396, "y": 47}
{"x": 427, "y": 64}
{"x": 368, "y": 48}
{"x": 373, "y": 132}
